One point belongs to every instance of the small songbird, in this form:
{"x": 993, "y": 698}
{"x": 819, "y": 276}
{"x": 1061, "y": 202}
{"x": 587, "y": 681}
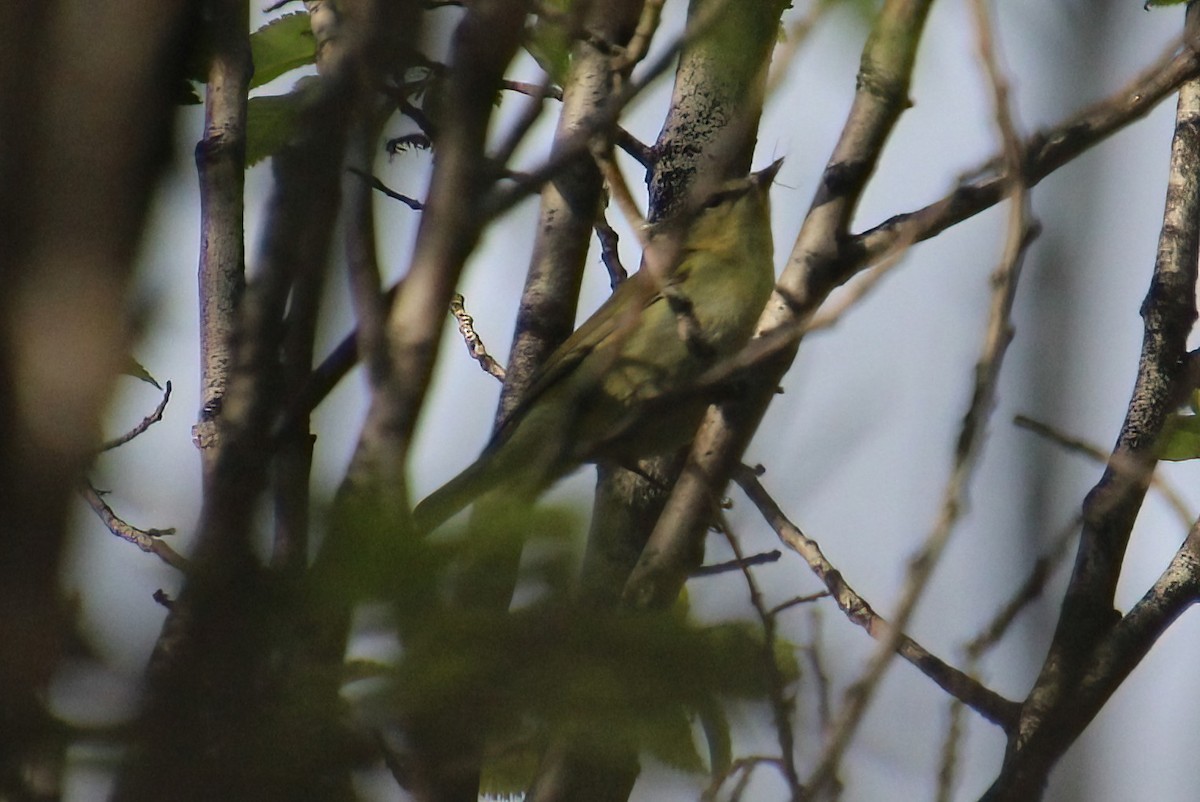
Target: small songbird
{"x": 704, "y": 281}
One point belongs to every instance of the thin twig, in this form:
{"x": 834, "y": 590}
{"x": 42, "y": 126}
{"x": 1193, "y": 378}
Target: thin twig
{"x": 609, "y": 254}
{"x": 528, "y": 116}
{"x": 738, "y": 564}
{"x": 474, "y": 343}
{"x": 819, "y": 674}
{"x": 540, "y": 91}
{"x": 148, "y": 421}
{"x": 1030, "y": 589}
{"x": 148, "y": 540}
{"x": 987, "y": 370}
{"x": 619, "y": 191}
{"x": 743, "y": 766}
{"x": 799, "y": 600}
{"x": 1119, "y": 464}
{"x": 642, "y": 153}
{"x": 984, "y": 701}
{"x": 781, "y": 707}
{"x": 639, "y": 43}
{"x": 832, "y": 311}
{"x": 411, "y": 203}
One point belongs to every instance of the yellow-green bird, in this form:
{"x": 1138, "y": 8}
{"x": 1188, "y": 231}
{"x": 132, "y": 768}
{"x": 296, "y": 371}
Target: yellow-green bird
{"x": 693, "y": 303}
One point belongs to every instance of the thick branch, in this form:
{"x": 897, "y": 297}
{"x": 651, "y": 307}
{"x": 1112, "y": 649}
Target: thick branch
{"x": 221, "y": 164}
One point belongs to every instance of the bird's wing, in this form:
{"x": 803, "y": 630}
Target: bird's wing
{"x": 598, "y": 331}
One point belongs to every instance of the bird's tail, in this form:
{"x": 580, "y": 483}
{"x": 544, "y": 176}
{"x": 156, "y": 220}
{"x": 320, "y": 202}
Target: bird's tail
{"x": 445, "y": 502}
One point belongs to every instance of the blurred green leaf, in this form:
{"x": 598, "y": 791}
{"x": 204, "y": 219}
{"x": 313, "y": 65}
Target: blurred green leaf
{"x": 136, "y": 370}
{"x": 271, "y": 122}
{"x": 283, "y": 44}
{"x": 606, "y": 681}
{"x": 549, "y": 41}
{"x": 1180, "y": 438}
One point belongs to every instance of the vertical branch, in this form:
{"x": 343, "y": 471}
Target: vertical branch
{"x": 708, "y": 136}
{"x": 569, "y": 202}
{"x": 372, "y": 505}
{"x": 221, "y": 165}
{"x": 1051, "y": 719}
{"x": 882, "y": 94}
{"x": 484, "y": 43}
{"x": 221, "y": 717}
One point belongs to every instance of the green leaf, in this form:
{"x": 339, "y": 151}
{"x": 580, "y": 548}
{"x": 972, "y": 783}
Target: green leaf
{"x": 134, "y": 368}
{"x": 549, "y": 42}
{"x": 1180, "y": 438}
{"x": 270, "y": 122}
{"x": 1150, "y": 3}
{"x": 283, "y": 44}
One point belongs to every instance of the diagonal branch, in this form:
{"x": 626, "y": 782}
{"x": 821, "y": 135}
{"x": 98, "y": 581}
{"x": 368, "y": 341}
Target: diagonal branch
{"x": 148, "y": 421}
{"x": 148, "y": 540}
{"x": 1045, "y": 152}
{"x": 986, "y": 702}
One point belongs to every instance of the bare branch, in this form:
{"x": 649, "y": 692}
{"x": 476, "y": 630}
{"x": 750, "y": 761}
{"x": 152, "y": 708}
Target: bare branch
{"x": 987, "y": 371}
{"x": 1092, "y": 648}
{"x": 609, "y": 254}
{"x": 987, "y": 703}
{"x": 148, "y": 540}
{"x": 221, "y": 165}
{"x": 1092, "y": 451}
{"x": 781, "y": 707}
{"x": 148, "y": 421}
{"x": 376, "y": 183}
{"x": 474, "y": 343}
{"x": 742, "y": 563}
{"x": 1045, "y": 152}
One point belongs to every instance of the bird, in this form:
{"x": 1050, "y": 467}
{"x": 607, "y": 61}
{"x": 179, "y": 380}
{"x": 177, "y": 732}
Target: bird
{"x": 706, "y": 276}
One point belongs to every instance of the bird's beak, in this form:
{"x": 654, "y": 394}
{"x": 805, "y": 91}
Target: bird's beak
{"x": 766, "y": 176}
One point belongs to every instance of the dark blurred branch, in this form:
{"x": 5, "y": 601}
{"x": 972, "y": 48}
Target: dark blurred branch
{"x": 377, "y": 184}
{"x": 86, "y": 95}
{"x": 219, "y": 683}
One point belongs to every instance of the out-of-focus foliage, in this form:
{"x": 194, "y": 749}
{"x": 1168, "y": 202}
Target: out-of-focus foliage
{"x": 607, "y": 681}
{"x": 1181, "y": 436}
{"x": 282, "y": 45}
{"x": 548, "y": 38}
